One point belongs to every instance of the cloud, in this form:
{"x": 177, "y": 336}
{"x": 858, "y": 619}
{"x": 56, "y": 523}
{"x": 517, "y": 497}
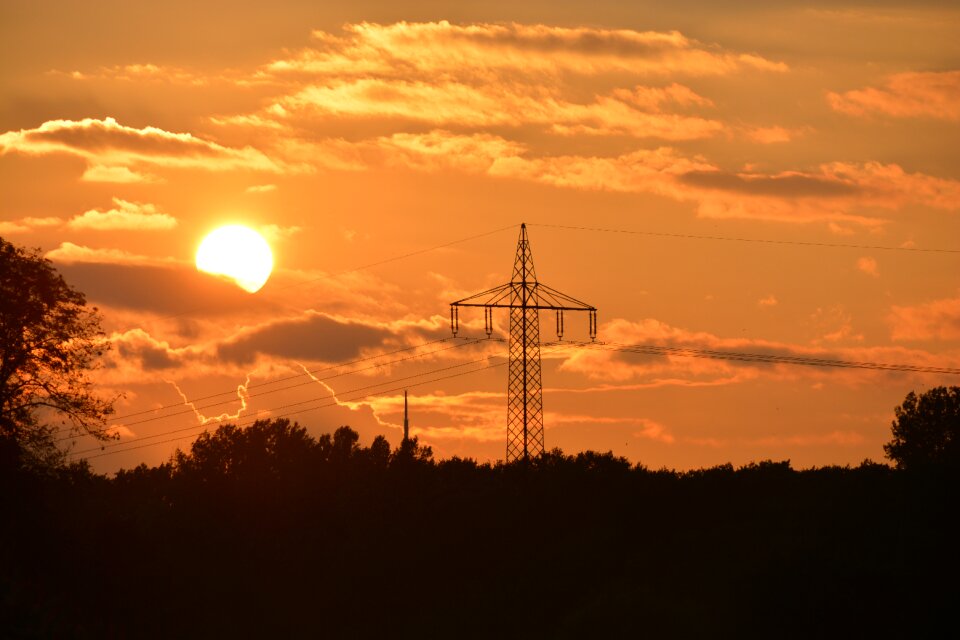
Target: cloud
{"x": 439, "y": 150}
{"x": 652, "y": 171}
{"x": 49, "y": 221}
{"x": 507, "y": 75}
{"x": 125, "y": 215}
{"x": 261, "y": 188}
{"x": 868, "y": 266}
{"x": 463, "y": 97}
{"x": 117, "y": 175}
{"x": 126, "y": 281}
{"x": 674, "y": 369}
{"x": 928, "y": 94}
{"x": 307, "y": 337}
{"x": 834, "y": 192}
{"x": 455, "y": 103}
{"x": 934, "y": 320}
{"x": 150, "y": 354}
{"x": 68, "y": 253}
{"x": 768, "y": 301}
{"x": 314, "y": 337}
{"x": 142, "y": 72}
{"x": 12, "y": 227}
{"x": 841, "y": 438}
{"x": 25, "y": 225}
{"x": 120, "y": 431}
{"x": 771, "y": 135}
{"x": 834, "y": 324}
{"x": 643, "y": 427}
{"x": 273, "y": 232}
{"x": 109, "y": 147}
{"x": 433, "y": 48}
{"x": 784, "y": 185}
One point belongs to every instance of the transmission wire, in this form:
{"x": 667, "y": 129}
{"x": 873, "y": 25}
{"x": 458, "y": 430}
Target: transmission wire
{"x": 690, "y": 236}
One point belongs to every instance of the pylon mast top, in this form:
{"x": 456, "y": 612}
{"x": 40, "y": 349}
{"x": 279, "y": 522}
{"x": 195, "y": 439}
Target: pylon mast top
{"x": 523, "y": 291}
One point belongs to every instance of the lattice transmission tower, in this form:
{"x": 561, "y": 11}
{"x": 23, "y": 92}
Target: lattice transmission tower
{"x": 525, "y": 297}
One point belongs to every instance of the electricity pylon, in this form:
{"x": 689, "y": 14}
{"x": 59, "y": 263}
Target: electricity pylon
{"x": 525, "y": 297}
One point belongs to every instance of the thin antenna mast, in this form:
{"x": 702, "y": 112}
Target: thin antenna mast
{"x": 406, "y": 418}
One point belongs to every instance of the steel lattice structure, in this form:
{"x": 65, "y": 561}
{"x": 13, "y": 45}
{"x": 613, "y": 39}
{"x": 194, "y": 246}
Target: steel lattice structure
{"x": 525, "y": 297}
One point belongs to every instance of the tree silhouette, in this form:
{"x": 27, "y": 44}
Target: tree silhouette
{"x": 49, "y": 342}
{"x": 265, "y": 450}
{"x": 926, "y": 429}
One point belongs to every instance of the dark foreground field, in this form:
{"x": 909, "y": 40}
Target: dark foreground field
{"x": 266, "y": 532}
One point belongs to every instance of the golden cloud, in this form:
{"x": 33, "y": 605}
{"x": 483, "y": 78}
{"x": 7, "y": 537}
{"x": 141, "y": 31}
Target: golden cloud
{"x": 441, "y": 47}
{"x": 929, "y": 94}
{"x": 835, "y": 192}
{"x": 124, "y": 215}
{"x": 486, "y": 75}
{"x": 70, "y": 253}
{"x": 455, "y": 103}
{"x": 117, "y": 175}
{"x": 142, "y": 72}
{"x": 12, "y": 227}
{"x": 24, "y": 225}
{"x": 110, "y": 147}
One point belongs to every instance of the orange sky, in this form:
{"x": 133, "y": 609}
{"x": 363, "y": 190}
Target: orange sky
{"x": 354, "y": 134}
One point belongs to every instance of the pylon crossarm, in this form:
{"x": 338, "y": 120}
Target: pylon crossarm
{"x": 538, "y": 296}
{"x": 557, "y": 300}
{"x": 541, "y": 307}
{"x": 489, "y": 298}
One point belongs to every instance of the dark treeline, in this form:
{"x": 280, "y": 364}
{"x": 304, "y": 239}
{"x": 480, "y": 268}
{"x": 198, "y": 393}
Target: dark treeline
{"x": 268, "y": 532}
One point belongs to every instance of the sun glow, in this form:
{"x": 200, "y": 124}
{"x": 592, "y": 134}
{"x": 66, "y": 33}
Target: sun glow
{"x": 238, "y": 252}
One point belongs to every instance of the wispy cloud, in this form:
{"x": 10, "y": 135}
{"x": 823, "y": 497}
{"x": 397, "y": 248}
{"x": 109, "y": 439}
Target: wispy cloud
{"x": 70, "y": 253}
{"x": 772, "y": 135}
{"x": 442, "y": 47}
{"x": 929, "y": 94}
{"x": 868, "y": 266}
{"x": 454, "y": 103}
{"x": 124, "y": 215}
{"x": 934, "y": 320}
{"x": 835, "y": 192}
{"x": 117, "y": 175}
{"x": 141, "y": 72}
{"x": 440, "y": 74}
{"x": 114, "y": 151}
{"x": 24, "y": 225}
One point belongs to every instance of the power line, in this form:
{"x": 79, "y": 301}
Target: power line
{"x": 309, "y": 400}
{"x": 598, "y": 346}
{"x": 689, "y": 352}
{"x": 194, "y": 410}
{"x": 690, "y": 236}
{"x": 231, "y": 392}
{"x": 248, "y": 421}
{"x": 465, "y": 341}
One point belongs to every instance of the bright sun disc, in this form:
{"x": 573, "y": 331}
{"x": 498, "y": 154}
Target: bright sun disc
{"x": 238, "y": 253}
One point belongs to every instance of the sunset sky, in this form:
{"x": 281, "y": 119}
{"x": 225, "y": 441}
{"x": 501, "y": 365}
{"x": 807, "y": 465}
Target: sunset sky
{"x": 388, "y": 152}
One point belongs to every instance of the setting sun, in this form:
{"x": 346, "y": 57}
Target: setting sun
{"x": 238, "y": 252}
